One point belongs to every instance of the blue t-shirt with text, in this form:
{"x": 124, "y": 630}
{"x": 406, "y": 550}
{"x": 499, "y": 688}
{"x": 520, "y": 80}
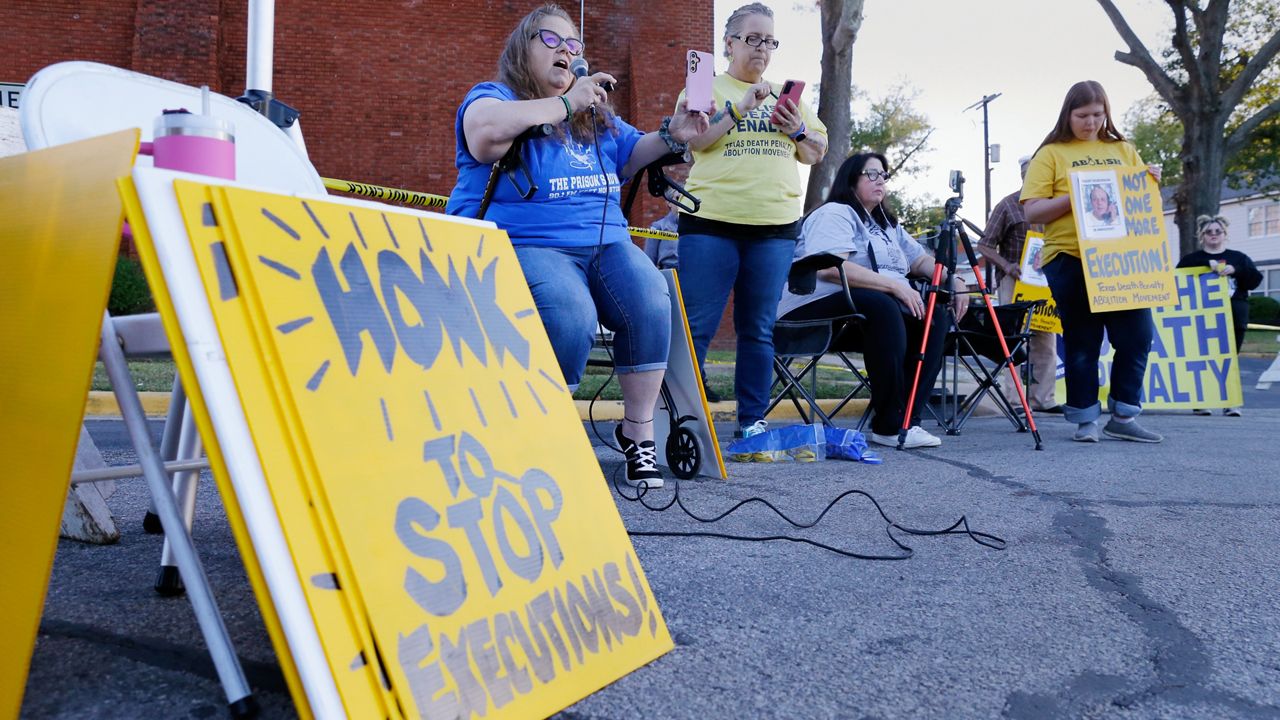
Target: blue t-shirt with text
{"x": 567, "y": 208}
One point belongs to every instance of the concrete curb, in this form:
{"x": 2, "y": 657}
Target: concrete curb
{"x": 102, "y": 403}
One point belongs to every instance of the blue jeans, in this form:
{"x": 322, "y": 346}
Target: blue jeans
{"x": 622, "y": 291}
{"x": 1129, "y": 331}
{"x": 754, "y": 269}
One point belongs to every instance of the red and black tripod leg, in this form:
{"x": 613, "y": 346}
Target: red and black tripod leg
{"x": 1004, "y": 347}
{"x": 934, "y": 289}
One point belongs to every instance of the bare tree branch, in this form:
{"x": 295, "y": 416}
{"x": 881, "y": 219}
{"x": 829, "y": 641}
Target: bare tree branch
{"x": 1237, "y": 90}
{"x": 1139, "y": 57}
{"x": 1240, "y": 136}
{"x": 912, "y": 151}
{"x": 1182, "y": 43}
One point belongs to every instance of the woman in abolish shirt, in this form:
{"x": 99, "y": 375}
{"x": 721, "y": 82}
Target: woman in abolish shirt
{"x": 1085, "y": 137}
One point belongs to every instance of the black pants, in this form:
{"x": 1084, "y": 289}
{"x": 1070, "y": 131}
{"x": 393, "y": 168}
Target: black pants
{"x": 889, "y": 343}
{"x": 1240, "y": 318}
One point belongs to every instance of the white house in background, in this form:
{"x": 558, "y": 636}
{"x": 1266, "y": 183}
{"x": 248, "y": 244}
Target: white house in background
{"x": 1254, "y": 231}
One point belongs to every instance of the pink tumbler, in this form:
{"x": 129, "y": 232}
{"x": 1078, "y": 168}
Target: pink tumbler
{"x": 201, "y": 144}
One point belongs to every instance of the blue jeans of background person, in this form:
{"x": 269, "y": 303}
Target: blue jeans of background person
{"x": 624, "y": 291}
{"x": 754, "y": 269}
{"x": 1129, "y": 331}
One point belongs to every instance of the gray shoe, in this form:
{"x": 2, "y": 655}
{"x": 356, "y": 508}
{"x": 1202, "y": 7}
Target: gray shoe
{"x": 1233, "y": 412}
{"x": 1131, "y": 431}
{"x": 1087, "y": 432}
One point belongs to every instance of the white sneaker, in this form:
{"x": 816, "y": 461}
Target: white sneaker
{"x": 917, "y": 437}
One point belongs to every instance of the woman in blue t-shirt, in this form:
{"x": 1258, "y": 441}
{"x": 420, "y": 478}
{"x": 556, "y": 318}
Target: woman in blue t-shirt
{"x": 571, "y": 238}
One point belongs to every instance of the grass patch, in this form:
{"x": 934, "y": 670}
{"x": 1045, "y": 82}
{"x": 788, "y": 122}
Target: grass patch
{"x": 149, "y": 375}
{"x": 157, "y": 375}
{"x": 1260, "y": 341}
{"x": 832, "y": 383}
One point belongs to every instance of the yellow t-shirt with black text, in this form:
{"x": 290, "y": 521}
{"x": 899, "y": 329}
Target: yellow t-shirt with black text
{"x": 750, "y": 175}
{"x": 1049, "y": 176}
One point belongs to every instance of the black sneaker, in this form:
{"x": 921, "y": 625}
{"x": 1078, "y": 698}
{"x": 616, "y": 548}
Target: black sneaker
{"x": 642, "y": 461}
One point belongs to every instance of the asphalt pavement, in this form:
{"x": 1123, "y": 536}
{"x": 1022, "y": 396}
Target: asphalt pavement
{"x": 1138, "y": 581}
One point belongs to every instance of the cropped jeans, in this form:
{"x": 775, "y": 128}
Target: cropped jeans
{"x": 622, "y": 291}
{"x": 755, "y": 270}
{"x": 1129, "y": 331}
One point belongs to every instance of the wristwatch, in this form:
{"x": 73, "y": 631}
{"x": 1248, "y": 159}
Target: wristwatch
{"x": 799, "y": 138}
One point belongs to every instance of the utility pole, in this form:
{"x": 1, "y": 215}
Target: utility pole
{"x": 986, "y": 147}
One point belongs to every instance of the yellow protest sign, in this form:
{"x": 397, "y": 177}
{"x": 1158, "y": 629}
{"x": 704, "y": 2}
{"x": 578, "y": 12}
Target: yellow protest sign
{"x": 457, "y": 504}
{"x": 310, "y": 554}
{"x": 1193, "y": 361}
{"x": 58, "y": 245}
{"x": 1123, "y": 244}
{"x": 1032, "y": 285}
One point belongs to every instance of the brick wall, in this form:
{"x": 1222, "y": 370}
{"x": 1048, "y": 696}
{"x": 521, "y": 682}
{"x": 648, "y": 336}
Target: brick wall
{"x": 377, "y": 83}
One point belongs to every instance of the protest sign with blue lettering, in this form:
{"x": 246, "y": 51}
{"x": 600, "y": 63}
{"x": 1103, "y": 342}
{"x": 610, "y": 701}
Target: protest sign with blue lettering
{"x": 447, "y": 517}
{"x": 1193, "y": 360}
{"x": 1123, "y": 244}
{"x": 1032, "y": 285}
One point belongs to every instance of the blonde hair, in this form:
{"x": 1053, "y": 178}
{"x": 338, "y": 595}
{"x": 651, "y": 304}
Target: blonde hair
{"x": 1205, "y": 221}
{"x": 734, "y": 23}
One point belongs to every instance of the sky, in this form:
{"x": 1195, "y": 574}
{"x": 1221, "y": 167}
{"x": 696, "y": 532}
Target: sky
{"x": 955, "y": 52}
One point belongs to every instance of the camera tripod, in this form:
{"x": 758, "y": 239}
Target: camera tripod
{"x": 944, "y": 268}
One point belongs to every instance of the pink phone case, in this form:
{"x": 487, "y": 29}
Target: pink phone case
{"x": 699, "y": 69}
{"x": 791, "y": 90}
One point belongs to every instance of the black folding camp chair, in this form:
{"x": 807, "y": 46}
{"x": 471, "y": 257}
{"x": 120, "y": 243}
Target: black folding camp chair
{"x": 800, "y": 345}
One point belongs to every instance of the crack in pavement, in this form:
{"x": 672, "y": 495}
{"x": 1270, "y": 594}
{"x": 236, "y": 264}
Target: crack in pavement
{"x": 1179, "y": 658}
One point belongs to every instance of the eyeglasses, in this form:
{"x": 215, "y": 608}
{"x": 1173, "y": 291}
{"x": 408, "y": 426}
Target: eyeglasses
{"x": 552, "y": 40}
{"x": 757, "y": 41}
{"x": 877, "y": 175}
{"x": 1214, "y": 231}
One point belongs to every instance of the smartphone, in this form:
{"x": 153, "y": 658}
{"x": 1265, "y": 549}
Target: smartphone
{"x": 699, "y": 69}
{"x": 791, "y": 90}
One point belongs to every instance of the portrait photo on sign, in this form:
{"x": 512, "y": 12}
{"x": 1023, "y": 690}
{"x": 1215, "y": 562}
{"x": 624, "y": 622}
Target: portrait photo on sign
{"x": 1098, "y": 206}
{"x": 1031, "y": 273}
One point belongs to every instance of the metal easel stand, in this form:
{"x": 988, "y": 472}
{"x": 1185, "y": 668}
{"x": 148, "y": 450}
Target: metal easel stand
{"x": 231, "y": 675}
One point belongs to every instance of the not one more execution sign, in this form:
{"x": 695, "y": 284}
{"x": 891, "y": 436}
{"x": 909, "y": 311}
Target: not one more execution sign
{"x": 1124, "y": 246}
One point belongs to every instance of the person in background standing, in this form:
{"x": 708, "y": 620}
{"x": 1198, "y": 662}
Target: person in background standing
{"x": 1001, "y": 244}
{"x": 1241, "y": 274}
{"x": 1085, "y": 136}
{"x": 746, "y": 173}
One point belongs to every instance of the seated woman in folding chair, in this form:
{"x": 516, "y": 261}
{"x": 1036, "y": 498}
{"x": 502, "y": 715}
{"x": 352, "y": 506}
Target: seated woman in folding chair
{"x": 880, "y": 255}
{"x": 570, "y": 238}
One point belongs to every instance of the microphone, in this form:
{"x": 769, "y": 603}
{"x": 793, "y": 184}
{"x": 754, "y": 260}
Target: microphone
{"x": 579, "y": 69}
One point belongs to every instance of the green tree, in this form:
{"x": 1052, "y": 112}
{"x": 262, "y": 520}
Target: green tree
{"x": 892, "y": 125}
{"x": 1218, "y": 77}
{"x": 1157, "y": 133}
{"x": 919, "y": 215}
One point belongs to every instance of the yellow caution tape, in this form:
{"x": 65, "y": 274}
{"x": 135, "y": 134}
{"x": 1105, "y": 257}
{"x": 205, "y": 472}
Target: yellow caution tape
{"x": 410, "y": 197}
{"x": 427, "y": 200}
